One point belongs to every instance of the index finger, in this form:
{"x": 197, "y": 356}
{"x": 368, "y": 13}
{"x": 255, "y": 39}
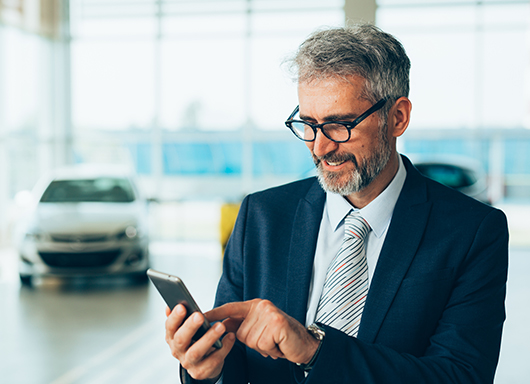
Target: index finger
{"x": 238, "y": 309}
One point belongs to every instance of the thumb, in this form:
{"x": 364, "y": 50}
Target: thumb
{"x": 232, "y": 325}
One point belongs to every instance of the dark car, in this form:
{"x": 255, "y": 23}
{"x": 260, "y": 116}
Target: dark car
{"x": 464, "y": 175}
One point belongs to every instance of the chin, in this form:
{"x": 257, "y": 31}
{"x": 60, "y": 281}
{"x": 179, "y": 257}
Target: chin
{"x": 343, "y": 183}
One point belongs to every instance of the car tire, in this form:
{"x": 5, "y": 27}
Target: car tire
{"x": 26, "y": 280}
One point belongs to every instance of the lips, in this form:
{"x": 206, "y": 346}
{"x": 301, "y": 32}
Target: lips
{"x": 335, "y": 164}
{"x": 334, "y": 160}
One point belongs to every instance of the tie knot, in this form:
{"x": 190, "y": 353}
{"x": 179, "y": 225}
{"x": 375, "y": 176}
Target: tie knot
{"x": 356, "y": 226}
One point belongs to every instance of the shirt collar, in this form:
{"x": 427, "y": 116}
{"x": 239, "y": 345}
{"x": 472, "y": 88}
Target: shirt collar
{"x": 378, "y": 213}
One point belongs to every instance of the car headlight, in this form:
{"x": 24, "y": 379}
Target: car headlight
{"x": 130, "y": 233}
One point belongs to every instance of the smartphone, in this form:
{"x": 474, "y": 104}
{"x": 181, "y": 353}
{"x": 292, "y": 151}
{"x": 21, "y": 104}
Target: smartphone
{"x": 174, "y": 292}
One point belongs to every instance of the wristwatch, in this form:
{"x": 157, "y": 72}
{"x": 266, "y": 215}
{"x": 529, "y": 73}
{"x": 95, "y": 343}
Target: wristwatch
{"x": 318, "y": 333}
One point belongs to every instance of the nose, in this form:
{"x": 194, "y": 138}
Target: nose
{"x": 322, "y": 145}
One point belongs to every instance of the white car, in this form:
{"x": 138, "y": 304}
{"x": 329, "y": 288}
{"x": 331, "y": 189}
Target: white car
{"x": 84, "y": 222}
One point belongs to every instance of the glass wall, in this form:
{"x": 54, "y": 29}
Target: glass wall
{"x": 27, "y": 117}
{"x": 469, "y": 83}
{"x": 470, "y": 60}
{"x": 192, "y": 93}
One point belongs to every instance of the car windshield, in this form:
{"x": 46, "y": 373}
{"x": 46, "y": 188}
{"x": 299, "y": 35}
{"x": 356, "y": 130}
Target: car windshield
{"x": 452, "y": 176}
{"x": 103, "y": 189}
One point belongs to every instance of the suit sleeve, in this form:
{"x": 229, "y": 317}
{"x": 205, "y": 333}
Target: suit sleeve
{"x": 465, "y": 345}
{"x": 230, "y": 289}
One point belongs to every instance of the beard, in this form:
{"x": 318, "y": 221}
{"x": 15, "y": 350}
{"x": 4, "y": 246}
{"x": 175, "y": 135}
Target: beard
{"x": 364, "y": 172}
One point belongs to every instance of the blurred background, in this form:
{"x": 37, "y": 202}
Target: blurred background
{"x": 188, "y": 99}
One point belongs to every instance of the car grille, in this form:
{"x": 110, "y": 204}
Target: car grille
{"x": 67, "y": 238}
{"x": 79, "y": 260}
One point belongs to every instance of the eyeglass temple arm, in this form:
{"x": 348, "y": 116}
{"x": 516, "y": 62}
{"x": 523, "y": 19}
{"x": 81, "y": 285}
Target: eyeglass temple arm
{"x": 377, "y": 106}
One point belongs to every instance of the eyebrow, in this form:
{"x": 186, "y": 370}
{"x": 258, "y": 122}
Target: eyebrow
{"x": 346, "y": 117}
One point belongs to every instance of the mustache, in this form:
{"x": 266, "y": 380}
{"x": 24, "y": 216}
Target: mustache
{"x": 336, "y": 158}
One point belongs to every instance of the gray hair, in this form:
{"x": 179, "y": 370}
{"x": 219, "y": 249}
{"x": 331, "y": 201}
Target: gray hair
{"x": 361, "y": 50}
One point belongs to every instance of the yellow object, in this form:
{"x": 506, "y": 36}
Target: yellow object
{"x": 229, "y": 213}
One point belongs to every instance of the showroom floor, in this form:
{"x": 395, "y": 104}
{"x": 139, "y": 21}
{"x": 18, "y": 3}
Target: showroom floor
{"x": 97, "y": 330}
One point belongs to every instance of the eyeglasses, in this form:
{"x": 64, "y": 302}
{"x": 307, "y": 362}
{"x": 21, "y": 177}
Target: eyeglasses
{"x": 337, "y": 131}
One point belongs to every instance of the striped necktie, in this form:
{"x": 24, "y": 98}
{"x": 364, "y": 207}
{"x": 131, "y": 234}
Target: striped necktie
{"x": 344, "y": 293}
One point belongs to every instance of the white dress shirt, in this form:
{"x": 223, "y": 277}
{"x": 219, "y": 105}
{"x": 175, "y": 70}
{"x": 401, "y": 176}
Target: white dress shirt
{"x": 378, "y": 214}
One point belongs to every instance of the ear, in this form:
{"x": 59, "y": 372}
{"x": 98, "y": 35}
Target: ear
{"x": 399, "y": 116}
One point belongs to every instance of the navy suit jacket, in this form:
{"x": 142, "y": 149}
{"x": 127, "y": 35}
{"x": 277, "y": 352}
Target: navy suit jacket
{"x": 435, "y": 308}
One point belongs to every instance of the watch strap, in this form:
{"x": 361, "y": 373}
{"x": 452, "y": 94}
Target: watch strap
{"x": 318, "y": 333}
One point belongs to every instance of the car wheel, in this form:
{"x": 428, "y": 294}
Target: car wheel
{"x": 26, "y": 280}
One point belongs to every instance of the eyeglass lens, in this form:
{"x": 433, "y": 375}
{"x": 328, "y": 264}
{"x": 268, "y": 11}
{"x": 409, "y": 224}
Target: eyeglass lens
{"x": 333, "y": 131}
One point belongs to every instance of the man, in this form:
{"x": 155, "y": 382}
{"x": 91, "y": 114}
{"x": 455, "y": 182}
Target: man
{"x": 432, "y": 263}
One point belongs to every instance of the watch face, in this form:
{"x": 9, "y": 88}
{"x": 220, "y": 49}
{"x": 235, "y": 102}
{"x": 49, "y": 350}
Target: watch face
{"x": 316, "y": 331}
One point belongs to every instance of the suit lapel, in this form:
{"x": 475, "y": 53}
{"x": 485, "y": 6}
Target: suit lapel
{"x": 302, "y": 251}
{"x": 402, "y": 241}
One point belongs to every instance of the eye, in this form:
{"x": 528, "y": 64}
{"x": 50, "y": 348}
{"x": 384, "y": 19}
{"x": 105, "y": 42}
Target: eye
{"x": 337, "y": 132}
{"x": 334, "y": 126}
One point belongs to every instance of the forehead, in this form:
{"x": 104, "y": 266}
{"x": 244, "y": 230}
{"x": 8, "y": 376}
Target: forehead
{"x": 320, "y": 98}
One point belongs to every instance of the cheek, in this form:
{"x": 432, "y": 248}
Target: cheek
{"x": 365, "y": 144}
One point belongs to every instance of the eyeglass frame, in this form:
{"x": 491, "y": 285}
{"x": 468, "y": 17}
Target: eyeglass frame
{"x": 348, "y": 125}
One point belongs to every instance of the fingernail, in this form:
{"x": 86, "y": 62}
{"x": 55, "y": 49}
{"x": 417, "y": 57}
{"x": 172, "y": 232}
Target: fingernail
{"x": 219, "y": 327}
{"x": 197, "y": 318}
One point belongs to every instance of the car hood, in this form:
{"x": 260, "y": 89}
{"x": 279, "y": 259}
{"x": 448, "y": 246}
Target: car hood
{"x": 86, "y": 217}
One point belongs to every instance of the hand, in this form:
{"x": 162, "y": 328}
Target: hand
{"x": 260, "y": 325}
{"x": 200, "y": 359}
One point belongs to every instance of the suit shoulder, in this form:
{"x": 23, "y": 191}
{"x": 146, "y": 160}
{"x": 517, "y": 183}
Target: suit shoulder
{"x": 445, "y": 200}
{"x": 459, "y": 204}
